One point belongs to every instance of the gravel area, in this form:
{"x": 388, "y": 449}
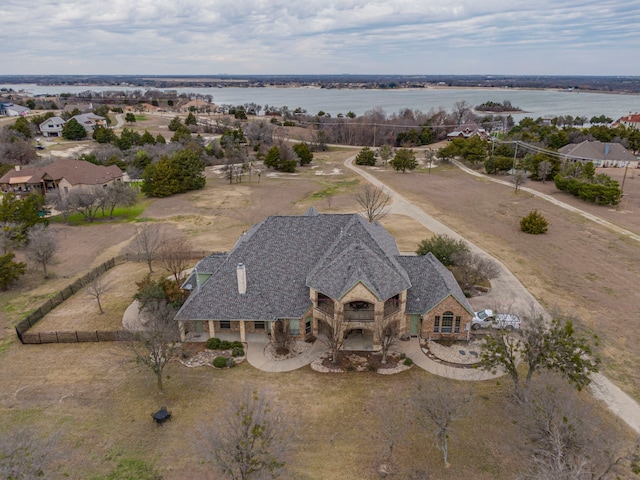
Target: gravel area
{"x": 461, "y": 353}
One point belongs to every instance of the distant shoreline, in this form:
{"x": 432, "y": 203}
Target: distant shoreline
{"x": 293, "y": 85}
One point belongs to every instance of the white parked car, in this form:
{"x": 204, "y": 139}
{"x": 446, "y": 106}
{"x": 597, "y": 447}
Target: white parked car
{"x": 487, "y": 319}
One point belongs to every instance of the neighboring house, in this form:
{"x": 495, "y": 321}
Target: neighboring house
{"x": 334, "y": 268}
{"x": 468, "y": 130}
{"x": 600, "y": 153}
{"x": 52, "y": 127}
{"x": 90, "y": 121}
{"x": 13, "y": 110}
{"x": 63, "y": 175}
{"x": 630, "y": 121}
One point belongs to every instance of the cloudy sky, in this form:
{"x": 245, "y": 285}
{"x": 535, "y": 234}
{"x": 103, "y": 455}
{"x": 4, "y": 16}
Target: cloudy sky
{"x": 196, "y": 37}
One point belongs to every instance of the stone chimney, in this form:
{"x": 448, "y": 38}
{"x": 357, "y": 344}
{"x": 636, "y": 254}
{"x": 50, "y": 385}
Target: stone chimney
{"x": 241, "y": 274}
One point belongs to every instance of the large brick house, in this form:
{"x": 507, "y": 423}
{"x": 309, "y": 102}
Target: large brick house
{"x": 336, "y": 268}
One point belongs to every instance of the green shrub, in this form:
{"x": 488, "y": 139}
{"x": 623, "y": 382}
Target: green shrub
{"x": 534, "y": 223}
{"x": 225, "y": 345}
{"x": 366, "y": 157}
{"x": 408, "y": 362}
{"x": 212, "y": 344}
{"x": 236, "y": 344}
{"x": 403, "y": 356}
{"x": 220, "y": 362}
{"x": 443, "y": 248}
{"x": 237, "y": 352}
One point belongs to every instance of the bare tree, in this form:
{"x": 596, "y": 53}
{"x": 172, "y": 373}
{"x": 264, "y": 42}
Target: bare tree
{"x": 60, "y": 202}
{"x": 569, "y": 440}
{"x": 388, "y": 332}
{"x": 471, "y": 268}
{"x": 118, "y": 194}
{"x": 147, "y": 241}
{"x": 374, "y": 201}
{"x": 281, "y": 336}
{"x": 87, "y": 202}
{"x": 96, "y": 288}
{"x": 430, "y": 157}
{"x": 393, "y": 420}
{"x": 42, "y": 245}
{"x": 25, "y": 454}
{"x": 156, "y": 343}
{"x": 518, "y": 179}
{"x": 332, "y": 336}
{"x": 173, "y": 255}
{"x": 250, "y": 438}
{"x": 440, "y": 405}
{"x": 386, "y": 153}
{"x": 544, "y": 169}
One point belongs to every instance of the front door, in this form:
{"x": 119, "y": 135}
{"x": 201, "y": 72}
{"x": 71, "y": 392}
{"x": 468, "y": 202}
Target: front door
{"x": 414, "y": 326}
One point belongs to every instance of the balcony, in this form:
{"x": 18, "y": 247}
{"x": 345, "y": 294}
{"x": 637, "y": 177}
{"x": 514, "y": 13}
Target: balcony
{"x": 358, "y": 312}
{"x": 325, "y": 305}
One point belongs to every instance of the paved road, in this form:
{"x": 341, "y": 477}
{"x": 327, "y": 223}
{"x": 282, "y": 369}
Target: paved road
{"x": 510, "y": 288}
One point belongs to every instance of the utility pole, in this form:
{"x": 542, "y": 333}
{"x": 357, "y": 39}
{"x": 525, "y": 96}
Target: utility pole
{"x": 624, "y": 177}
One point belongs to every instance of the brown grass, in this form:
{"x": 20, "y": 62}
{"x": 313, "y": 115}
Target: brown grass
{"x": 101, "y": 402}
{"x": 578, "y": 269}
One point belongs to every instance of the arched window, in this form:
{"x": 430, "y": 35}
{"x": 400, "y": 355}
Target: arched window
{"x": 447, "y": 322}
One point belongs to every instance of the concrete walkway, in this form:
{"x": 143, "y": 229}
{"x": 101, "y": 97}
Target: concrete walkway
{"x": 257, "y": 359}
{"x": 413, "y": 351}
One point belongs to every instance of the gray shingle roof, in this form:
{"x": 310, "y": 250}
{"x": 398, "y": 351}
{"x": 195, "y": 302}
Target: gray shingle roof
{"x": 592, "y": 150}
{"x": 285, "y": 255}
{"x": 431, "y": 283}
{"x": 205, "y": 267}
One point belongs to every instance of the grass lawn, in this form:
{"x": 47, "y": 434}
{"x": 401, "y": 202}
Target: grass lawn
{"x": 100, "y": 400}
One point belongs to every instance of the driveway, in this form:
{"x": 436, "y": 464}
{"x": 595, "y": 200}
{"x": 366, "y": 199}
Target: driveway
{"x": 507, "y": 293}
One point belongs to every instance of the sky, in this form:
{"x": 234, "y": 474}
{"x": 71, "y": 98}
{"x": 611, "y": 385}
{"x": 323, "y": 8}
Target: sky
{"x": 245, "y": 37}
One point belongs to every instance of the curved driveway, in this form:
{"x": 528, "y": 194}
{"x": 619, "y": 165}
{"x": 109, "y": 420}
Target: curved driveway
{"x": 508, "y": 289}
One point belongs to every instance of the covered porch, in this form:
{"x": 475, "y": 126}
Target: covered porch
{"x": 232, "y": 330}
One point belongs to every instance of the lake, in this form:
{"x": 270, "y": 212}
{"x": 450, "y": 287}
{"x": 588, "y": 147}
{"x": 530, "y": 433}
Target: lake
{"x": 538, "y": 103}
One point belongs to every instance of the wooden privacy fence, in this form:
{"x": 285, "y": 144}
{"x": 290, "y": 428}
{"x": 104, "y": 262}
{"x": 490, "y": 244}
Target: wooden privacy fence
{"x": 76, "y": 337}
{"x": 30, "y": 320}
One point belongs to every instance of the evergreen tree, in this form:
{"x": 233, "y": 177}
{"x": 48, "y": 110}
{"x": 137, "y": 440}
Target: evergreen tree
{"x": 366, "y": 157}
{"x": 405, "y": 159}
{"x": 10, "y": 271}
{"x": 191, "y": 119}
{"x": 272, "y": 160}
{"x": 175, "y": 123}
{"x": 72, "y": 130}
{"x": 304, "y": 153}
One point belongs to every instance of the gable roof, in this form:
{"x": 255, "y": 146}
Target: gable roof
{"x": 88, "y": 119}
{"x": 284, "y": 256}
{"x": 431, "y": 282}
{"x": 76, "y": 172}
{"x": 596, "y": 150}
{"x": 52, "y": 124}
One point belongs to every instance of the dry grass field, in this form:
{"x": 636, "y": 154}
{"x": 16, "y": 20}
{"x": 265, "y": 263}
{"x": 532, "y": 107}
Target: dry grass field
{"x": 100, "y": 400}
{"x": 579, "y": 268}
